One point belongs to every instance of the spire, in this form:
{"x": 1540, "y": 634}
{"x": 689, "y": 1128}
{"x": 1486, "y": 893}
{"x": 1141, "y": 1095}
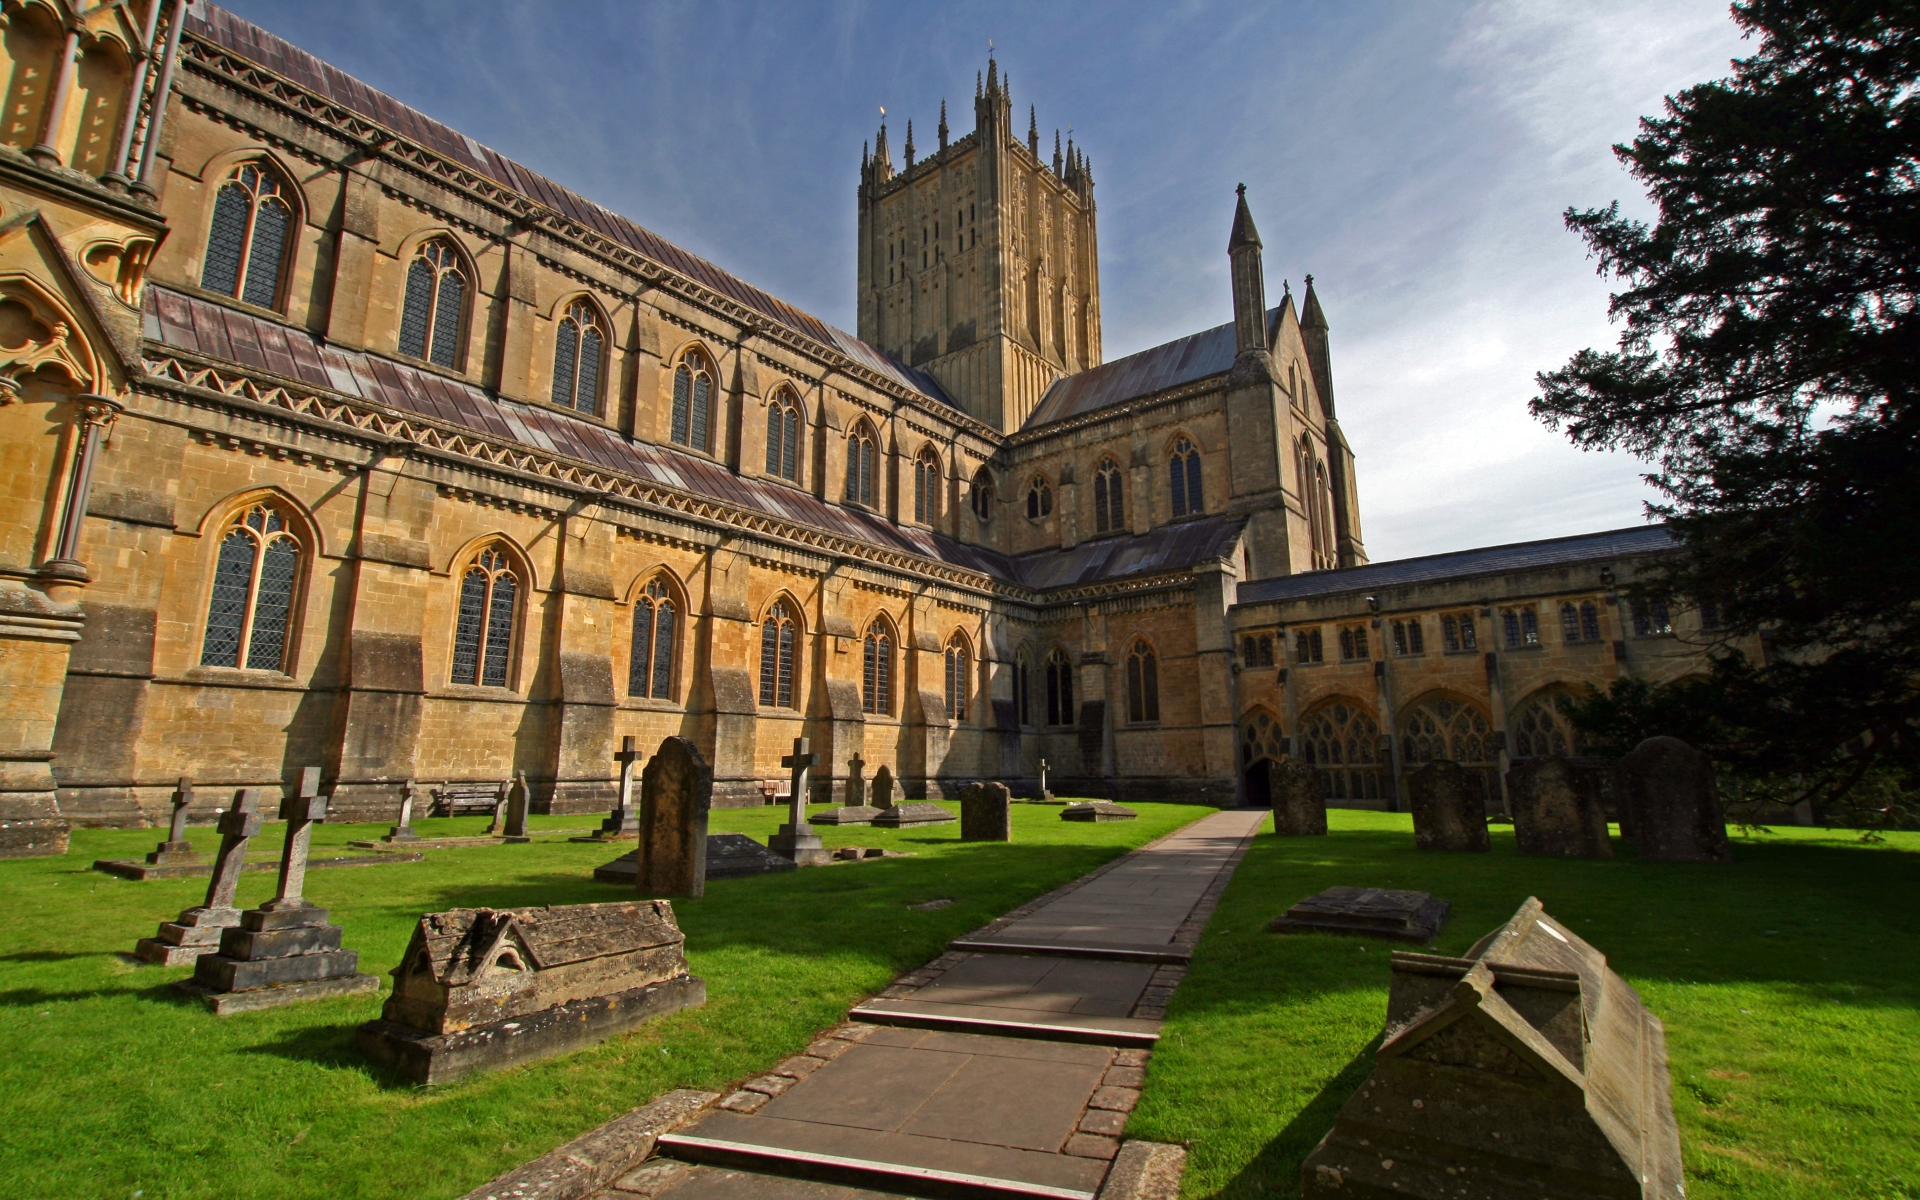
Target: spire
{"x": 909, "y": 165}
{"x": 976, "y": 85}
{"x": 1244, "y": 234}
{"x": 1056, "y": 152}
{"x": 1310, "y": 315}
{"x": 1033, "y": 131}
{"x": 1313, "y": 335}
{"x": 1249, "y": 282}
{"x": 993, "y": 75}
{"x": 943, "y": 122}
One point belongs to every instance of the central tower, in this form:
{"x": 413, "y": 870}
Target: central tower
{"x": 978, "y": 264}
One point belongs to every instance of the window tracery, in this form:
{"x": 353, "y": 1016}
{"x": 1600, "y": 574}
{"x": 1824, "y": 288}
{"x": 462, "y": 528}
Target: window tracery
{"x": 693, "y": 402}
{"x": 436, "y": 305}
{"x": 249, "y": 617}
{"x": 1342, "y": 741}
{"x": 1543, "y": 725}
{"x": 1143, "y": 683}
{"x": 876, "y": 678}
{"x": 1060, "y": 709}
{"x": 251, "y": 233}
{"x": 779, "y": 656}
{"x": 1039, "y": 498}
{"x": 1449, "y": 729}
{"x": 1109, "y": 499}
{"x": 484, "y": 624}
{"x": 926, "y": 487}
{"x": 783, "y": 437}
{"x": 579, "y": 359}
{"x": 655, "y": 639}
{"x": 1183, "y": 478}
{"x": 957, "y": 679}
{"x": 980, "y": 496}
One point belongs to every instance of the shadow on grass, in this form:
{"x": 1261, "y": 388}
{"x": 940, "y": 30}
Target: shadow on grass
{"x": 331, "y": 1046}
{"x": 46, "y": 956}
{"x": 1277, "y": 1167}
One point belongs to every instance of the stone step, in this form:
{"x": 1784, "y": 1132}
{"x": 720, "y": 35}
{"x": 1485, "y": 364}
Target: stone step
{"x": 1124, "y": 1032}
{"x": 1114, "y": 952}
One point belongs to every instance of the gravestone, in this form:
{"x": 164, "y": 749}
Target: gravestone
{"x": 177, "y": 851}
{"x": 1097, "y": 810}
{"x": 1526, "y": 1070}
{"x": 624, "y": 822}
{"x": 1671, "y": 804}
{"x": 403, "y": 832}
{"x": 1045, "y": 796}
{"x": 497, "y": 826}
{"x": 856, "y": 811}
{"x": 197, "y": 930}
{"x": 1556, "y": 812}
{"x": 729, "y": 856}
{"x": 796, "y": 839}
{"x": 1402, "y": 916}
{"x": 1299, "y": 796}
{"x": 519, "y": 801}
{"x": 284, "y": 951}
{"x": 480, "y": 989}
{"x": 1448, "y": 811}
{"x": 986, "y": 813}
{"x": 856, "y": 782}
{"x": 880, "y": 795}
{"x": 676, "y": 793}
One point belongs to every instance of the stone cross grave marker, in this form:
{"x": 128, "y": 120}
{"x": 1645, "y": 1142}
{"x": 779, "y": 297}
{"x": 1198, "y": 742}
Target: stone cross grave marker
{"x": 1448, "y": 813}
{"x": 299, "y": 811}
{"x": 519, "y": 801}
{"x": 856, "y": 782}
{"x": 1671, "y": 807}
{"x": 196, "y": 931}
{"x": 880, "y": 795}
{"x": 177, "y": 850}
{"x": 986, "y": 813}
{"x": 624, "y": 821}
{"x": 403, "y": 831}
{"x": 1556, "y": 813}
{"x": 676, "y": 792}
{"x": 796, "y": 839}
{"x": 1044, "y": 793}
{"x": 1299, "y": 795}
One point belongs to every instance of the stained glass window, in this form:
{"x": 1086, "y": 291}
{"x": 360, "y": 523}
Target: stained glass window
{"x": 876, "y": 679}
{"x": 1109, "y": 501}
{"x": 777, "y": 657}
{"x": 926, "y": 488}
{"x": 1059, "y": 689}
{"x": 1183, "y": 479}
{"x": 1143, "y": 683}
{"x": 248, "y": 241}
{"x": 650, "y": 669}
{"x": 860, "y": 464}
{"x": 433, "y": 316}
{"x": 250, "y": 615}
{"x": 578, "y": 359}
{"x": 957, "y": 680}
{"x": 483, "y": 626}
{"x": 783, "y": 436}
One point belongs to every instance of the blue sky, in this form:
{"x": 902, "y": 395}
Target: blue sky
{"x": 1415, "y": 158}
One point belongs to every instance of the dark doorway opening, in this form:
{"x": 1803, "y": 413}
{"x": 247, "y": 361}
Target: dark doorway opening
{"x": 1259, "y": 785}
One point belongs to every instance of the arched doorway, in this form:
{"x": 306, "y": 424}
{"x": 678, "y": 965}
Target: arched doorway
{"x": 1261, "y": 745}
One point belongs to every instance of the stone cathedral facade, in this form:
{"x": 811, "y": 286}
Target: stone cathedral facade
{"x": 335, "y": 437}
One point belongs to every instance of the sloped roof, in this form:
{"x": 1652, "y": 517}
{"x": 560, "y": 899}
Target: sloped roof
{"x": 1183, "y": 360}
{"x": 1488, "y": 560}
{"x": 1174, "y": 547}
{"x": 276, "y": 54}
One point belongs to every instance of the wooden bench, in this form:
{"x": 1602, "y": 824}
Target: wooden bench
{"x": 468, "y": 799}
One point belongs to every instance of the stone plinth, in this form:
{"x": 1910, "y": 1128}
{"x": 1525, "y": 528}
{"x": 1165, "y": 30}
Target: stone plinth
{"x": 986, "y": 813}
{"x": 905, "y": 816}
{"x": 1448, "y": 811}
{"x": 729, "y": 855}
{"x": 1670, "y": 804}
{"x": 1401, "y": 916}
{"x": 1556, "y": 811}
{"x": 1097, "y": 810}
{"x": 1299, "y": 799}
{"x": 198, "y": 930}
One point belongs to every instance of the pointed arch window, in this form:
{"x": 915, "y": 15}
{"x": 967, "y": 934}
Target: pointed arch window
{"x": 693, "y": 402}
{"x": 1059, "y": 688}
{"x": 956, "y": 680}
{"x": 926, "y": 487}
{"x": 1143, "y": 683}
{"x": 435, "y": 311}
{"x": 579, "y": 359}
{"x": 483, "y": 627}
{"x": 1443, "y": 728}
{"x": 251, "y": 234}
{"x": 656, "y": 631}
{"x": 1183, "y": 479}
{"x": 783, "y": 437}
{"x": 876, "y": 670}
{"x": 1109, "y": 501}
{"x": 1543, "y": 725}
{"x": 1343, "y": 741}
{"x": 250, "y": 616}
{"x": 1039, "y": 498}
{"x": 779, "y": 655}
{"x": 861, "y": 462}
{"x": 980, "y": 496}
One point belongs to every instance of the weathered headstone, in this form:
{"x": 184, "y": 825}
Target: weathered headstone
{"x": 856, "y": 811}
{"x": 676, "y": 792}
{"x": 519, "y": 802}
{"x": 880, "y": 795}
{"x": 624, "y": 822}
{"x": 1556, "y": 812}
{"x": 986, "y": 813}
{"x": 284, "y": 951}
{"x": 1526, "y": 1070}
{"x": 1402, "y": 916}
{"x": 1671, "y": 803}
{"x": 1044, "y": 796}
{"x": 1098, "y": 811}
{"x": 796, "y": 839}
{"x": 856, "y": 796}
{"x": 498, "y": 825}
{"x": 197, "y": 930}
{"x": 479, "y": 989}
{"x": 729, "y": 856}
{"x": 1299, "y": 795}
{"x": 403, "y": 832}
{"x": 177, "y": 850}
{"x": 1448, "y": 811}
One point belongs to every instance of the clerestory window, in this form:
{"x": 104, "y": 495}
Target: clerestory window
{"x": 251, "y": 234}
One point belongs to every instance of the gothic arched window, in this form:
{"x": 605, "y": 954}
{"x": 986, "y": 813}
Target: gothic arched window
{"x": 436, "y": 305}
{"x": 251, "y": 613}
{"x": 1143, "y": 683}
{"x": 876, "y": 670}
{"x": 579, "y": 359}
{"x": 1451, "y": 730}
{"x": 693, "y": 402}
{"x": 1543, "y": 725}
{"x": 1342, "y": 740}
{"x": 483, "y": 627}
{"x": 926, "y": 487}
{"x": 957, "y": 679}
{"x": 656, "y": 628}
{"x": 251, "y": 234}
{"x": 1039, "y": 498}
{"x": 779, "y": 656}
{"x": 1059, "y": 688}
{"x": 1183, "y": 479}
{"x": 980, "y": 496}
{"x": 783, "y": 436}
{"x": 1109, "y": 501}
{"x": 861, "y": 456}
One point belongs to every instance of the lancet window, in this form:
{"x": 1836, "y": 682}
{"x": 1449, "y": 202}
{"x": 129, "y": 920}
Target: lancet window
{"x": 251, "y": 234}
{"x": 1039, "y": 498}
{"x": 1109, "y": 499}
{"x": 876, "y": 675}
{"x": 1408, "y": 637}
{"x": 579, "y": 359}
{"x": 1143, "y": 683}
{"x": 1520, "y": 627}
{"x": 693, "y": 402}
{"x": 1183, "y": 479}
{"x": 1307, "y": 646}
{"x": 1059, "y": 689}
{"x": 656, "y": 629}
{"x": 1581, "y": 624}
{"x": 250, "y": 616}
{"x": 484, "y": 625}
{"x": 783, "y": 437}
{"x": 432, "y": 319}
{"x": 957, "y": 679}
{"x": 980, "y": 496}
{"x": 862, "y": 456}
{"x": 926, "y": 487}
{"x": 1023, "y": 688}
{"x": 779, "y": 656}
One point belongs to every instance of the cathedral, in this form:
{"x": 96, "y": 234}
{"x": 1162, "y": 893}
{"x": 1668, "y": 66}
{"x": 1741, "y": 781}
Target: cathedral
{"x": 334, "y": 437}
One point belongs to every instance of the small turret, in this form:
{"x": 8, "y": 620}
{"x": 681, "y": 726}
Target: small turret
{"x": 909, "y": 165}
{"x": 1249, "y": 281}
{"x": 1056, "y": 152}
{"x": 943, "y": 124}
{"x": 1313, "y": 332}
{"x": 1033, "y": 131}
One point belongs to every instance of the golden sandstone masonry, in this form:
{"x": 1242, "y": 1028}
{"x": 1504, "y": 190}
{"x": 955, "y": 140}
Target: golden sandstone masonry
{"x": 333, "y": 436}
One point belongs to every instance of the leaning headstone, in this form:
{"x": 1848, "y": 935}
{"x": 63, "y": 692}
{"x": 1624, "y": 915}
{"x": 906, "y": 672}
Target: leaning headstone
{"x": 519, "y": 801}
{"x": 986, "y": 813}
{"x": 880, "y": 794}
{"x": 403, "y": 831}
{"x": 1556, "y": 813}
{"x": 177, "y": 851}
{"x": 1672, "y": 804}
{"x": 1448, "y": 812}
{"x": 1526, "y": 1069}
{"x": 284, "y": 951}
{"x": 796, "y": 839}
{"x": 1299, "y": 799}
{"x": 1402, "y": 916}
{"x": 499, "y": 823}
{"x": 676, "y": 792}
{"x": 1097, "y": 810}
{"x": 480, "y": 989}
{"x": 729, "y": 856}
{"x": 197, "y": 930}
{"x": 856, "y": 811}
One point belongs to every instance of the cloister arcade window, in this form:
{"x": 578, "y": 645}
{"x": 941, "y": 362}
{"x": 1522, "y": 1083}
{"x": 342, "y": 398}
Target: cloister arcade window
{"x": 251, "y": 233}
{"x": 1109, "y": 500}
{"x": 656, "y": 628}
{"x": 1543, "y": 725}
{"x": 1457, "y": 632}
{"x": 1183, "y": 478}
{"x": 250, "y": 616}
{"x": 1342, "y": 741}
{"x": 483, "y": 626}
{"x": 1143, "y": 683}
{"x": 926, "y": 487}
{"x": 1580, "y": 624}
{"x": 980, "y": 496}
{"x": 1257, "y": 651}
{"x": 1651, "y": 618}
{"x": 435, "y": 312}
{"x": 861, "y": 455}
{"x": 1408, "y": 637}
{"x": 1307, "y": 646}
{"x": 1353, "y": 643}
{"x": 693, "y": 402}
{"x": 1449, "y": 729}
{"x": 876, "y": 670}
{"x": 1023, "y": 688}
{"x": 1059, "y": 688}
{"x": 1520, "y": 627}
{"x": 957, "y": 679}
{"x": 579, "y": 359}
{"x": 1039, "y": 498}
{"x": 779, "y": 656}
{"x": 1261, "y": 737}
{"x": 783, "y": 436}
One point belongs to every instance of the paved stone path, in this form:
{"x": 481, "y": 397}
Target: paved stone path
{"x": 1005, "y": 1067}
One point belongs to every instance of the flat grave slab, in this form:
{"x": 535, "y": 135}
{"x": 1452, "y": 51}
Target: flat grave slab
{"x": 1403, "y": 916}
{"x": 847, "y": 814}
{"x": 729, "y": 856}
{"x": 127, "y": 868}
{"x": 903, "y": 816}
{"x": 1097, "y": 810}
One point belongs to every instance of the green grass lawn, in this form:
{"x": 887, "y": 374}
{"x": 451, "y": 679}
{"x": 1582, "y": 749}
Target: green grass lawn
{"x": 1788, "y": 982}
{"x": 114, "y": 1089}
